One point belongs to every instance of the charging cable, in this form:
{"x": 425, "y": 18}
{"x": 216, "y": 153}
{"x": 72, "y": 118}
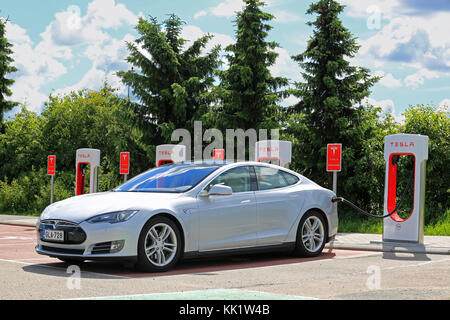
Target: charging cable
{"x": 397, "y": 205}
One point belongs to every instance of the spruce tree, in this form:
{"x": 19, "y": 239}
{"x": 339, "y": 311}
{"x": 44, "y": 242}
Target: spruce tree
{"x": 249, "y": 92}
{"x": 170, "y": 82}
{"x": 5, "y": 68}
{"x": 330, "y": 96}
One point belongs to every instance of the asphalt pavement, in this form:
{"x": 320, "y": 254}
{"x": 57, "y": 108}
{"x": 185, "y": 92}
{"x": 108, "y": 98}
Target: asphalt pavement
{"x": 345, "y": 241}
{"x": 335, "y": 274}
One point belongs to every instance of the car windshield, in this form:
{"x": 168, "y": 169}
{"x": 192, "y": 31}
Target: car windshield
{"x": 175, "y": 178}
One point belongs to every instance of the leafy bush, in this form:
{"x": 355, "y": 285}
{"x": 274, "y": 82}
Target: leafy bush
{"x": 434, "y": 123}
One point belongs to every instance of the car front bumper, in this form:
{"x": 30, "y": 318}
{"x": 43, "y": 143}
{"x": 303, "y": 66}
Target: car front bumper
{"x": 87, "y": 241}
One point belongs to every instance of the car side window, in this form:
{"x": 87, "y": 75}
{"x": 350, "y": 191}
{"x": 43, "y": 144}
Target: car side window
{"x": 271, "y": 178}
{"x": 237, "y": 178}
{"x": 290, "y": 178}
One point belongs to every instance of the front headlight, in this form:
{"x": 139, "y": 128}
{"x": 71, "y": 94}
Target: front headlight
{"x": 113, "y": 217}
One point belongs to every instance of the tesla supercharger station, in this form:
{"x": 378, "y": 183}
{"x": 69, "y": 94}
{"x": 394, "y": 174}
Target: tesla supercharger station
{"x": 85, "y": 158}
{"x": 277, "y": 152}
{"x": 170, "y": 153}
{"x": 395, "y": 228}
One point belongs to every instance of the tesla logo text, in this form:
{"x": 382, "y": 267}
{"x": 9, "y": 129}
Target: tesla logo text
{"x": 402, "y": 144}
{"x": 269, "y": 149}
{"x": 165, "y": 153}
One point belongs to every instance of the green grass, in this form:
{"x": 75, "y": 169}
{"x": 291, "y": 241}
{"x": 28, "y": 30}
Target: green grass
{"x": 440, "y": 227}
{"x": 353, "y": 222}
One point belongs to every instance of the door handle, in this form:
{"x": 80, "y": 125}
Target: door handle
{"x": 245, "y": 201}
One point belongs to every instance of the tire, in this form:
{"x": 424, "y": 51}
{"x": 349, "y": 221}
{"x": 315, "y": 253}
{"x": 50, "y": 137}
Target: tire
{"x": 159, "y": 246}
{"x": 311, "y": 235}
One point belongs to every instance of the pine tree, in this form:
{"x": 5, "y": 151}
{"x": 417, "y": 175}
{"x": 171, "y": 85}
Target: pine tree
{"x": 5, "y": 68}
{"x": 249, "y": 92}
{"x": 331, "y": 93}
{"x": 171, "y": 82}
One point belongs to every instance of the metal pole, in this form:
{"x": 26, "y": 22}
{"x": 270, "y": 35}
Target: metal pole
{"x": 51, "y": 188}
{"x": 335, "y": 182}
{"x": 125, "y": 178}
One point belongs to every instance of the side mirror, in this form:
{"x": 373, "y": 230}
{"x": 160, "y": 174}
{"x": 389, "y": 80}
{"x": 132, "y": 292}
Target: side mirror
{"x": 217, "y": 190}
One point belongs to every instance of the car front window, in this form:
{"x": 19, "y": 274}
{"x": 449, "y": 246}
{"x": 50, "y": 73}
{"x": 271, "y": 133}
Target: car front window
{"x": 237, "y": 178}
{"x": 173, "y": 179}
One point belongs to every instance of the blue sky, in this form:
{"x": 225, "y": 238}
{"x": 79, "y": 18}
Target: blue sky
{"x": 62, "y": 45}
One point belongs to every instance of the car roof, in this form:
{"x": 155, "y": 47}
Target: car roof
{"x": 223, "y": 163}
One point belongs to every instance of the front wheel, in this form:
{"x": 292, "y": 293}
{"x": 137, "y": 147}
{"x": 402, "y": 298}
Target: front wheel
{"x": 311, "y": 235}
{"x": 159, "y": 246}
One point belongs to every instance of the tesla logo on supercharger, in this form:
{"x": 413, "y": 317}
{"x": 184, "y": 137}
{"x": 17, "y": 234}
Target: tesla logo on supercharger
{"x": 334, "y": 157}
{"x": 51, "y": 165}
{"x": 218, "y": 154}
{"x": 124, "y": 162}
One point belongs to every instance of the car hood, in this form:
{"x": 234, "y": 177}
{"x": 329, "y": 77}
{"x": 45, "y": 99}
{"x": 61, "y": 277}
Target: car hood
{"x": 80, "y": 208}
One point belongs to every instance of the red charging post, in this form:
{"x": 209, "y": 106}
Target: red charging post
{"x": 218, "y": 154}
{"x": 334, "y": 161}
{"x": 51, "y": 169}
{"x": 125, "y": 164}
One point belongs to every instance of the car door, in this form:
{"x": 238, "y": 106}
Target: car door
{"x": 228, "y": 221}
{"x": 277, "y": 204}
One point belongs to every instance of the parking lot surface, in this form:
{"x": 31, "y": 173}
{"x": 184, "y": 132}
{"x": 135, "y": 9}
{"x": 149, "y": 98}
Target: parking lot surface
{"x": 336, "y": 274}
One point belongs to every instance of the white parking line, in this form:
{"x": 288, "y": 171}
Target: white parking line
{"x": 15, "y": 232}
{"x": 15, "y": 244}
{"x": 15, "y": 238}
{"x": 106, "y": 275}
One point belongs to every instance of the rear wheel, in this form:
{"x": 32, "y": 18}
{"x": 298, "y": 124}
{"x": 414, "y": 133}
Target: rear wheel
{"x": 311, "y": 235}
{"x": 159, "y": 246}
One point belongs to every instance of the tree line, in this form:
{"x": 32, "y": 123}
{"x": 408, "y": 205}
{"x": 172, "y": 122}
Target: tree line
{"x": 175, "y": 82}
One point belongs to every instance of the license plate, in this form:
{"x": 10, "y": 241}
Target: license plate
{"x": 54, "y": 235}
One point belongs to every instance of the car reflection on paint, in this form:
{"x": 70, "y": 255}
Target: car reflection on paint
{"x": 192, "y": 209}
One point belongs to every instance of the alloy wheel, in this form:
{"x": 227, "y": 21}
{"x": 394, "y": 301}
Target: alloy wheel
{"x": 313, "y": 234}
{"x": 160, "y": 244}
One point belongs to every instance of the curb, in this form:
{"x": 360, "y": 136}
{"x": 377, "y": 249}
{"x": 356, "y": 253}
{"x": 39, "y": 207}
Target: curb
{"x": 19, "y": 223}
{"x": 23, "y": 221}
{"x": 392, "y": 248}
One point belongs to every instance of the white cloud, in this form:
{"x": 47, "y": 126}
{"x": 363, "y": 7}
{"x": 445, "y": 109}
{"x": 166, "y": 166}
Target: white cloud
{"x": 199, "y": 14}
{"x": 290, "y": 101}
{"x": 388, "y": 80}
{"x": 387, "y": 107}
{"x": 417, "y": 79}
{"x": 444, "y": 105}
{"x": 366, "y": 8}
{"x": 285, "y": 67}
{"x": 36, "y": 65}
{"x": 283, "y": 16}
{"x": 229, "y": 8}
{"x": 414, "y": 43}
{"x": 50, "y": 59}
{"x": 70, "y": 28}
{"x": 107, "y": 14}
{"x": 17, "y": 34}
{"x": 192, "y": 33}
{"x": 107, "y": 58}
{"x": 110, "y": 53}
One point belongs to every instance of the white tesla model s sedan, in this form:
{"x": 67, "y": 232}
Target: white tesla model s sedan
{"x": 191, "y": 209}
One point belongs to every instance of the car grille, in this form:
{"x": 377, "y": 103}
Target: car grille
{"x": 63, "y": 250}
{"x": 73, "y": 233}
